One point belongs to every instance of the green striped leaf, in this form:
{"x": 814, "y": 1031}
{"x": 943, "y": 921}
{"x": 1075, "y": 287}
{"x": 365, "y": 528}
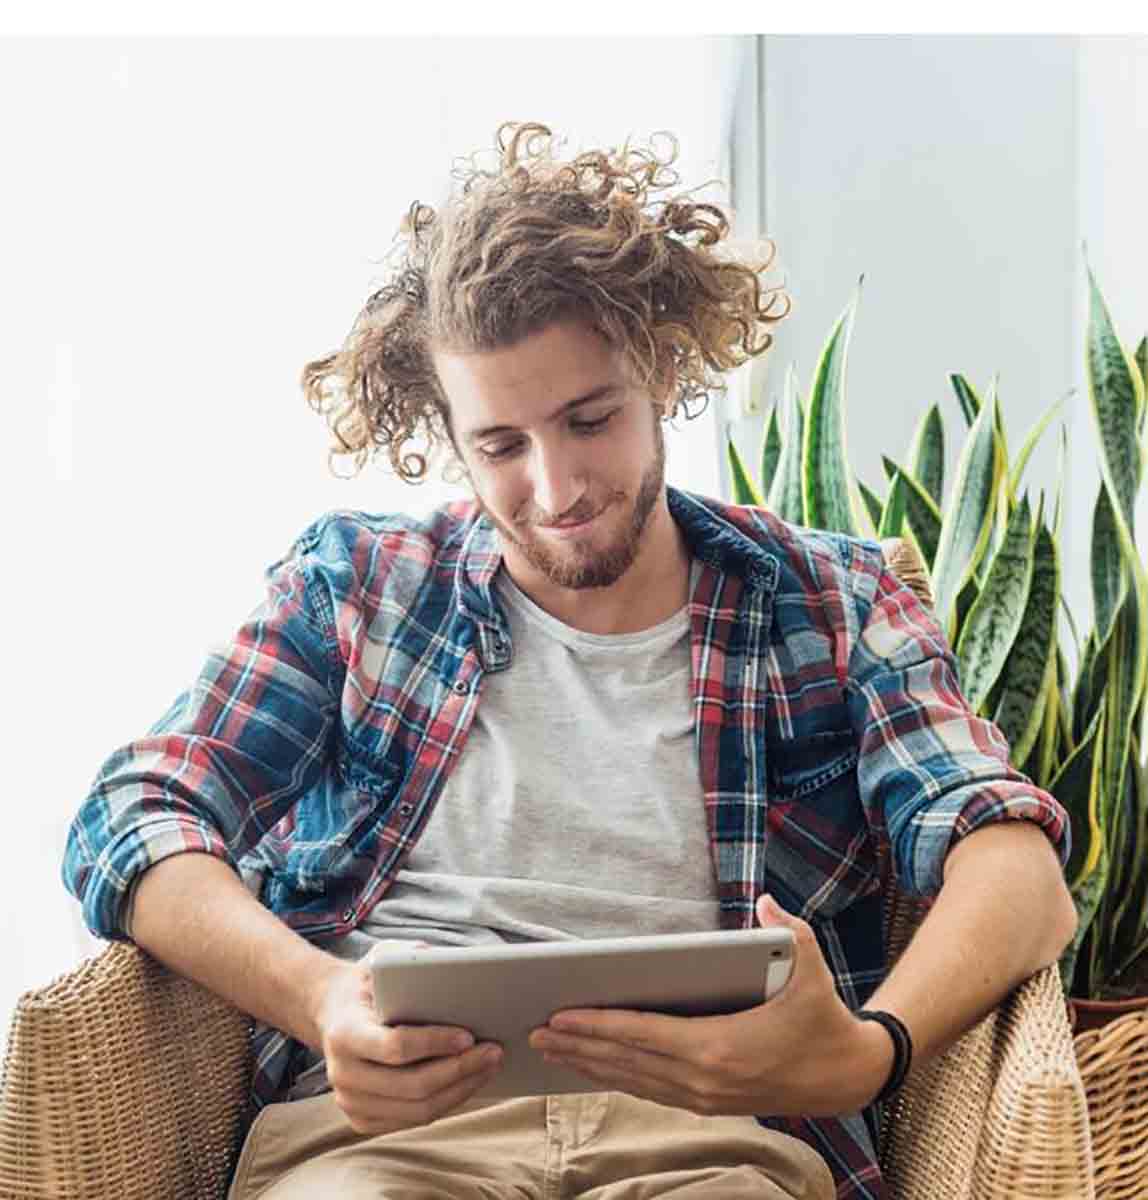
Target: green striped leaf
{"x": 1082, "y": 690}
{"x": 993, "y": 621}
{"x": 965, "y": 602}
{"x": 1098, "y": 677}
{"x": 744, "y": 489}
{"x": 1122, "y": 694}
{"x": 921, "y": 512}
{"x": 968, "y": 518}
{"x": 1031, "y": 667}
{"x": 873, "y": 505}
{"x": 1029, "y": 445}
{"x": 1141, "y": 357}
{"x": 1037, "y": 764}
{"x": 1062, "y": 454}
{"x": 893, "y": 518}
{"x": 1120, "y": 847}
{"x": 967, "y": 398}
{"x": 1117, "y": 392}
{"x": 1132, "y": 917}
{"x": 1077, "y": 787}
{"x": 927, "y": 454}
{"x": 1072, "y": 785}
{"x": 826, "y": 477}
{"x": 1078, "y": 965}
{"x": 1109, "y": 578}
{"x": 1003, "y": 509}
{"x": 1132, "y": 900}
{"x": 1002, "y": 439}
{"x": 1071, "y": 623}
{"x": 1050, "y": 729}
{"x": 770, "y": 451}
{"x": 1064, "y": 742}
{"x": 786, "y": 494}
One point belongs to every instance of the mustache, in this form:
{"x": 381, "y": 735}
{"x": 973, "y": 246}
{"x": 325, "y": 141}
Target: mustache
{"x": 582, "y": 511}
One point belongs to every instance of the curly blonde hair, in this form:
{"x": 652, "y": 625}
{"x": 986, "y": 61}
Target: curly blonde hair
{"x": 532, "y": 241}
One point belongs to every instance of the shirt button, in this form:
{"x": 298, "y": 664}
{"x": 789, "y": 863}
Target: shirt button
{"x": 405, "y": 810}
{"x": 461, "y": 687}
{"x": 348, "y": 913}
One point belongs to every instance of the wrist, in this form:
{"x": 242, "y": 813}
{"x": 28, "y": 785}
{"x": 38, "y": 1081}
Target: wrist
{"x": 872, "y": 1062}
{"x": 902, "y": 1043}
{"x": 323, "y": 984}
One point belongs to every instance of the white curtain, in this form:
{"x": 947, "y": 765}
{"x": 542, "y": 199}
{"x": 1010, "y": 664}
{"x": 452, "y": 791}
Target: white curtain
{"x": 186, "y": 222}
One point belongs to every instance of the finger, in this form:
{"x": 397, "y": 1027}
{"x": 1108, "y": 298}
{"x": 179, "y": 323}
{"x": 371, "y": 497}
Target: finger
{"x": 418, "y": 1082}
{"x": 676, "y": 1037}
{"x": 617, "y": 1060}
{"x": 371, "y": 1113}
{"x": 611, "y": 1078}
{"x": 399, "y": 1045}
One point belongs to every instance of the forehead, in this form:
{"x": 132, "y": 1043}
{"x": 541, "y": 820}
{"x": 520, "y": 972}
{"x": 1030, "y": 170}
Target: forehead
{"x": 525, "y": 382}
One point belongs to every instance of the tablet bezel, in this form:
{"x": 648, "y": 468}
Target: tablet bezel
{"x": 501, "y": 992}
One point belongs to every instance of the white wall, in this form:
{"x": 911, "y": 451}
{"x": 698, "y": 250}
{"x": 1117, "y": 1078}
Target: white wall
{"x": 1112, "y": 191}
{"x": 185, "y": 224}
{"x": 943, "y": 169}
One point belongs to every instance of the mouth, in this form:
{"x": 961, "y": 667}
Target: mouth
{"x": 570, "y": 528}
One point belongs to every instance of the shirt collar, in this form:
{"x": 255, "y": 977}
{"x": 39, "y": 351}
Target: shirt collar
{"x": 715, "y": 533}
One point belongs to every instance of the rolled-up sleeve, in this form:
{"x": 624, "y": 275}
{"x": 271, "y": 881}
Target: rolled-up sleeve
{"x": 930, "y": 771}
{"x": 226, "y": 761}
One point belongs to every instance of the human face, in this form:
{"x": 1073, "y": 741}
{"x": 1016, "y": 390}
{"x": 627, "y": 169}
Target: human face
{"x": 564, "y": 451}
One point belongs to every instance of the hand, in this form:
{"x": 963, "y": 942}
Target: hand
{"x": 801, "y": 1053}
{"x": 393, "y": 1077}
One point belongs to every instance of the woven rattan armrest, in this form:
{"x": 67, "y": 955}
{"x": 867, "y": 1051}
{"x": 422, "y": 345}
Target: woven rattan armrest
{"x": 1001, "y": 1114}
{"x": 122, "y": 1079}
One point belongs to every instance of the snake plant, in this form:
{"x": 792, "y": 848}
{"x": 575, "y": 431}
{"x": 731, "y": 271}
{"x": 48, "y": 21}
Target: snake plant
{"x": 996, "y": 573}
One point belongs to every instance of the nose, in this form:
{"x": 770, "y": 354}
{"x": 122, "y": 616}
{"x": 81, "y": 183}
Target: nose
{"x": 557, "y": 481}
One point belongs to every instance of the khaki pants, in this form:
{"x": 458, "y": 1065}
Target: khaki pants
{"x": 596, "y": 1146}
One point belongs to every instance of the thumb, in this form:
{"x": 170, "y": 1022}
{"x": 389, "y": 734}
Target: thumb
{"x": 809, "y": 962}
{"x": 769, "y": 912}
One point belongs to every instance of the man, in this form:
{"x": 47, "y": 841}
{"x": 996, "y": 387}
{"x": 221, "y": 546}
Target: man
{"x": 585, "y": 705}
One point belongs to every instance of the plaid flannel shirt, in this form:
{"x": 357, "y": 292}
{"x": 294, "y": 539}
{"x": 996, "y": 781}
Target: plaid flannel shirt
{"x": 833, "y": 743}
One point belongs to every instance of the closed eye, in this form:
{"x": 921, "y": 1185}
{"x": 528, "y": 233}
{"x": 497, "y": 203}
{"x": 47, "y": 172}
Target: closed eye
{"x": 595, "y": 426}
{"x": 506, "y": 450}
{"x": 495, "y": 453}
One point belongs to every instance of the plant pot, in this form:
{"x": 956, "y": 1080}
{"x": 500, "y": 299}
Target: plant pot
{"x": 1111, "y": 1043}
{"x": 1084, "y": 1015}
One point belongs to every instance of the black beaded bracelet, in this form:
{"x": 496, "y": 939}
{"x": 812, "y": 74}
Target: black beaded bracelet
{"x": 902, "y": 1049}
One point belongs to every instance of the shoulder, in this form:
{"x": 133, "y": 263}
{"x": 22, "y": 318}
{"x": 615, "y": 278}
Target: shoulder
{"x": 369, "y": 554}
{"x": 810, "y": 562}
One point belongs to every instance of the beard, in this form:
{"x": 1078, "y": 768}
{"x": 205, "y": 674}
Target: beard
{"x": 578, "y": 568}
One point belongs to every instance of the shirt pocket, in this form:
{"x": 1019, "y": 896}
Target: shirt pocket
{"x": 312, "y": 846}
{"x": 819, "y": 848}
{"x": 801, "y": 766}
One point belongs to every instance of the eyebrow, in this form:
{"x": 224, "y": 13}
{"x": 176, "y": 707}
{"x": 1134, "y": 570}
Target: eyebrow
{"x": 597, "y": 393}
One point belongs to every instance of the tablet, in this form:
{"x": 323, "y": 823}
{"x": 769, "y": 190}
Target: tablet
{"x": 502, "y": 992}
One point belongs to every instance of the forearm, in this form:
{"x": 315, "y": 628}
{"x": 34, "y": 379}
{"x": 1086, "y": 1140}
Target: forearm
{"x": 1002, "y": 914}
{"x": 193, "y": 914}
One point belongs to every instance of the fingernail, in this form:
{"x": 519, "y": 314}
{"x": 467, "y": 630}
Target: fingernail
{"x": 490, "y": 1056}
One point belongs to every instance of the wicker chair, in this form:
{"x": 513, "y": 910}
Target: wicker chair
{"x": 124, "y": 1080}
